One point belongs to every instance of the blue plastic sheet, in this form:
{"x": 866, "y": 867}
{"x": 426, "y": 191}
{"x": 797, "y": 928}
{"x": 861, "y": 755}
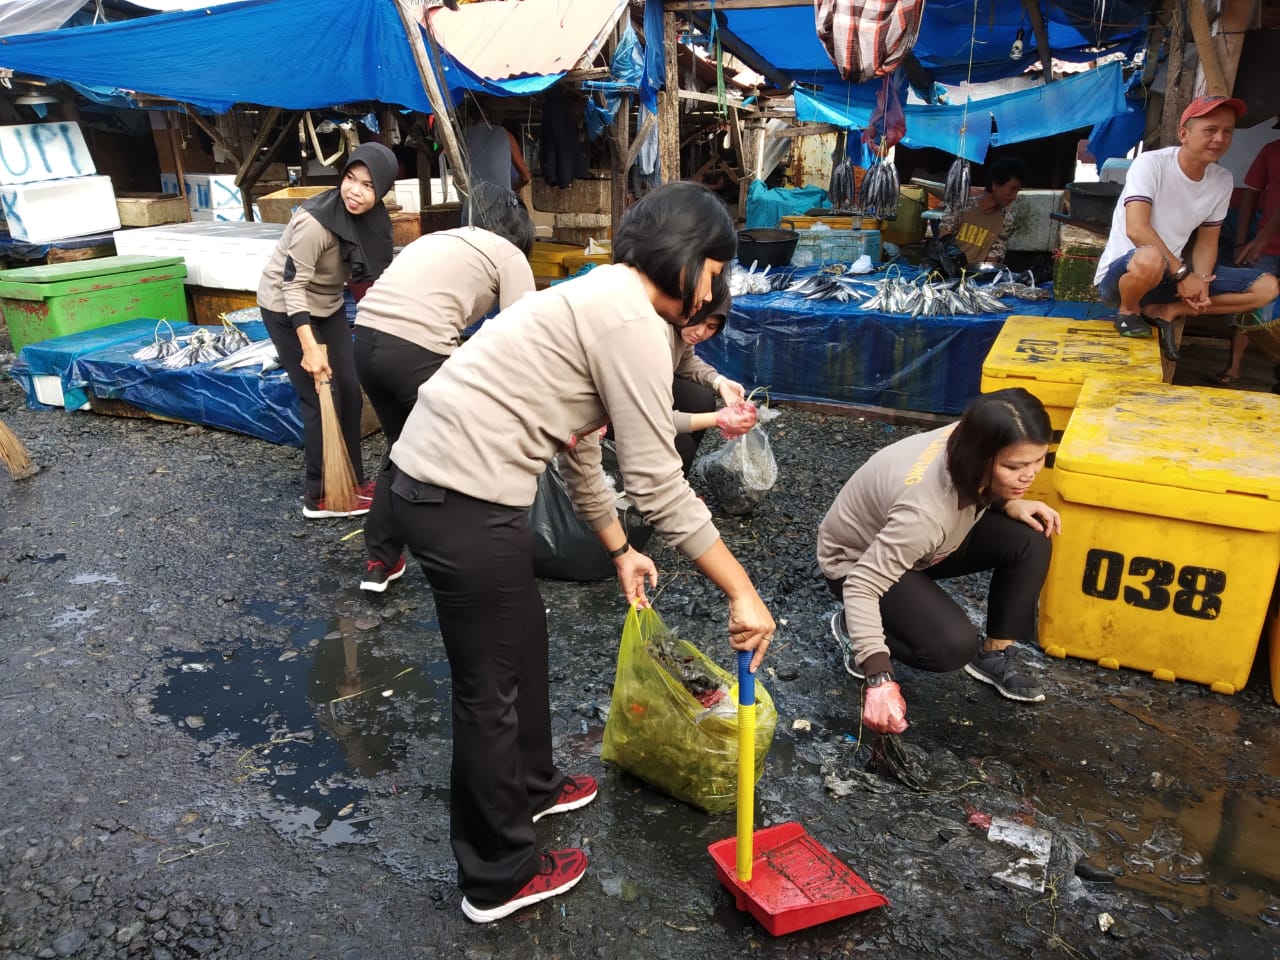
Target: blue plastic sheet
{"x": 242, "y": 400}
{"x": 53, "y": 358}
{"x": 830, "y": 352}
{"x": 767, "y": 205}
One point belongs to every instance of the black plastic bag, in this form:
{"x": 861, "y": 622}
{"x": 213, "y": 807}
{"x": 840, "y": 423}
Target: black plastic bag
{"x": 944, "y": 256}
{"x": 565, "y": 548}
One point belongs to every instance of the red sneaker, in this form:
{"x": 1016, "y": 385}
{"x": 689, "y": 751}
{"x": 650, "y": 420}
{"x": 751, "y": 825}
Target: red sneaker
{"x": 560, "y": 871}
{"x": 377, "y": 576}
{"x": 578, "y": 791}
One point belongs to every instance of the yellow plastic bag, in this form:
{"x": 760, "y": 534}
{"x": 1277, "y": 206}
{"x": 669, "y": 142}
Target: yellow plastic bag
{"x": 673, "y": 721}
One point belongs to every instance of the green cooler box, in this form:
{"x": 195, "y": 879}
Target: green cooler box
{"x": 56, "y": 299}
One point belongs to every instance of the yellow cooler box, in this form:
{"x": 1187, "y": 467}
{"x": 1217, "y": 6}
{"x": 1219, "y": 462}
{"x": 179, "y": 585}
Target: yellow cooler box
{"x": 1170, "y": 538}
{"x": 1051, "y": 357}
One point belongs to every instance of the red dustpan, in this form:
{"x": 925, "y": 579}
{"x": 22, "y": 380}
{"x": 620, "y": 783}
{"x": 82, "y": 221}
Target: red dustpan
{"x": 781, "y": 875}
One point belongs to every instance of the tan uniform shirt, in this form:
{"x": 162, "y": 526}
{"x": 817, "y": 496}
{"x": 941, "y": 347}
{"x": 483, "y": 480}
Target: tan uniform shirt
{"x": 557, "y": 365}
{"x": 306, "y": 272}
{"x": 898, "y": 512}
{"x": 442, "y": 283}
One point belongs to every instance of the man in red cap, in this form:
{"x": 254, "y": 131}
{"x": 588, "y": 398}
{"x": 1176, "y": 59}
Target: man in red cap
{"x": 1169, "y": 194}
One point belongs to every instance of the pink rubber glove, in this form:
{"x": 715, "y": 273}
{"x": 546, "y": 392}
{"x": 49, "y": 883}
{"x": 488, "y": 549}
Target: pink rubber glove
{"x": 883, "y": 709}
{"x": 737, "y": 419}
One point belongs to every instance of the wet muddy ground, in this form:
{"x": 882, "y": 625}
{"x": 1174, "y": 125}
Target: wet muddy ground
{"x": 213, "y": 745}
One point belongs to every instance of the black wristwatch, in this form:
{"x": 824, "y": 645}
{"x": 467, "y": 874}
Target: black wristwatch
{"x": 1181, "y": 273}
{"x": 615, "y": 554}
{"x": 878, "y": 678}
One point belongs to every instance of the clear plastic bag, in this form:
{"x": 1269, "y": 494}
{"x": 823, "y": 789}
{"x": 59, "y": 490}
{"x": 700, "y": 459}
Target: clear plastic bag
{"x": 741, "y": 472}
{"x": 673, "y": 721}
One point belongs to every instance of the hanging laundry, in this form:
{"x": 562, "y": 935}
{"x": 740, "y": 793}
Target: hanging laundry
{"x": 866, "y": 39}
{"x": 560, "y": 153}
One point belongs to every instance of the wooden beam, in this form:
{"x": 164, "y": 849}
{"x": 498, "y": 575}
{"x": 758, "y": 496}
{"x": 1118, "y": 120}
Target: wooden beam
{"x": 735, "y": 138}
{"x": 669, "y": 102}
{"x": 431, "y": 85}
{"x": 742, "y": 50}
{"x": 634, "y": 150}
{"x": 620, "y": 144}
{"x": 1215, "y": 80}
{"x": 806, "y": 130}
{"x": 264, "y": 131}
{"x": 213, "y": 133}
{"x": 1032, "y": 7}
{"x": 1236, "y": 17}
{"x": 711, "y": 98}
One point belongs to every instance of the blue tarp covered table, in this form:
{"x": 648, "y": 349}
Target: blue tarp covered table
{"x": 242, "y": 400}
{"x": 825, "y": 351}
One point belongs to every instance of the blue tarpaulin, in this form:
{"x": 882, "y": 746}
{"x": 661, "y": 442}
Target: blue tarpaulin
{"x": 829, "y": 352}
{"x": 786, "y": 37}
{"x": 1079, "y": 100}
{"x": 100, "y": 363}
{"x": 767, "y": 205}
{"x": 53, "y": 358}
{"x": 294, "y": 54}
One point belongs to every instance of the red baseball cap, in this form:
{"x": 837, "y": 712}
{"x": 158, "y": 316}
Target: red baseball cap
{"x": 1202, "y": 105}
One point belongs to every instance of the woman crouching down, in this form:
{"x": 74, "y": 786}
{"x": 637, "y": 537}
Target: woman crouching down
{"x": 933, "y": 506}
{"x": 539, "y": 381}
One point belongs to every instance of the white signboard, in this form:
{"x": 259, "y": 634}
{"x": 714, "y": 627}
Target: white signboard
{"x": 31, "y": 152}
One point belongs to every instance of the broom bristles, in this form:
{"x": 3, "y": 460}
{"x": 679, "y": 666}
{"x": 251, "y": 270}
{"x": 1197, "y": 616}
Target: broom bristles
{"x": 16, "y": 459}
{"x": 339, "y": 476}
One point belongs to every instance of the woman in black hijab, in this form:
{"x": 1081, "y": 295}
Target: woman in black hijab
{"x": 341, "y": 235}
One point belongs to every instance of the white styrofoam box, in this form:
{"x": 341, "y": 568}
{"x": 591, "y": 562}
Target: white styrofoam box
{"x": 213, "y": 191}
{"x": 48, "y": 390}
{"x": 1033, "y": 228}
{"x": 222, "y": 255}
{"x": 169, "y": 183}
{"x": 50, "y": 210}
{"x": 219, "y": 216}
{"x": 30, "y": 152}
{"x": 1115, "y": 170}
{"x": 409, "y": 195}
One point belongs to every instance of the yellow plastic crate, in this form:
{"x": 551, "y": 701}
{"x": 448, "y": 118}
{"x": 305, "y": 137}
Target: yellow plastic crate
{"x": 1170, "y": 538}
{"x": 1273, "y": 632}
{"x": 1051, "y": 358}
{"x": 547, "y": 257}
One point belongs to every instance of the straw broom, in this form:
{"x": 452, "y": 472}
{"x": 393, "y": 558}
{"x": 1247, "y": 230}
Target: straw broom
{"x": 339, "y": 476}
{"x": 16, "y": 459}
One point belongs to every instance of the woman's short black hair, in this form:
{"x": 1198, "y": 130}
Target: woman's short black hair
{"x": 670, "y": 232}
{"x": 496, "y": 209}
{"x": 991, "y": 422}
{"x": 1006, "y": 169}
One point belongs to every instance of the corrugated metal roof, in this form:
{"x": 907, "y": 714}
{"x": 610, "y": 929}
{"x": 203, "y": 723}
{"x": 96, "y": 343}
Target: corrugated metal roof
{"x": 500, "y": 39}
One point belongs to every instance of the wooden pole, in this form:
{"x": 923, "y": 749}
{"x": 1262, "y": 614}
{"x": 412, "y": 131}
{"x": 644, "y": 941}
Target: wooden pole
{"x": 620, "y": 142}
{"x": 669, "y": 103}
{"x": 1174, "y": 101}
{"x": 1032, "y": 8}
{"x": 1234, "y": 20}
{"x": 1215, "y": 80}
{"x": 439, "y": 104}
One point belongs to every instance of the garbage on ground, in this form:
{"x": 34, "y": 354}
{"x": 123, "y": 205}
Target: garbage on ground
{"x": 673, "y": 721}
{"x": 1026, "y": 872}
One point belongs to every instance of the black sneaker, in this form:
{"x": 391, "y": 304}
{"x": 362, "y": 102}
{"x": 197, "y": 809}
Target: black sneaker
{"x": 1000, "y": 669}
{"x": 1131, "y": 325}
{"x": 846, "y": 645}
{"x": 377, "y": 576}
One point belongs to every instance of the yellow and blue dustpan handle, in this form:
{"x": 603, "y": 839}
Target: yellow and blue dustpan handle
{"x": 746, "y": 762}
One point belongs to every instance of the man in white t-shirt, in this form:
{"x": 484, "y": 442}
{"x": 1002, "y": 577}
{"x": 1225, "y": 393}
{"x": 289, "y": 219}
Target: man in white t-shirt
{"x": 1169, "y": 194}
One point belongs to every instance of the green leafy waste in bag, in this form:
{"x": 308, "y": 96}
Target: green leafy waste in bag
{"x": 673, "y": 720}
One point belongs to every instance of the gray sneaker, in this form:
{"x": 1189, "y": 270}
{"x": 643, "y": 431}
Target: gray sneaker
{"x": 846, "y": 645}
{"x": 1000, "y": 669}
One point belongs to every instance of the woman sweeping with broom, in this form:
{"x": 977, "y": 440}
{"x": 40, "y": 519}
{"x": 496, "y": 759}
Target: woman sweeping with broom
{"x": 342, "y": 234}
{"x": 539, "y": 381}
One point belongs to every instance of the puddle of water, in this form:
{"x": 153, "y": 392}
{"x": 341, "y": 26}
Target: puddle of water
{"x": 312, "y": 723}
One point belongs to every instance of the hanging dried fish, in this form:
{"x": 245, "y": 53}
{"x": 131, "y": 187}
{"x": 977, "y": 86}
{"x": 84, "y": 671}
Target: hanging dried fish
{"x": 880, "y": 188}
{"x": 842, "y": 192}
{"x": 959, "y": 181}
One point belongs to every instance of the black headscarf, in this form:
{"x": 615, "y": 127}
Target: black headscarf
{"x": 365, "y": 240}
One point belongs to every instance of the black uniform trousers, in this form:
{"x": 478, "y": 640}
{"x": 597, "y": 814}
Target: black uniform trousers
{"x": 391, "y": 369}
{"x": 928, "y": 630}
{"x": 478, "y": 559}
{"x": 334, "y": 333}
